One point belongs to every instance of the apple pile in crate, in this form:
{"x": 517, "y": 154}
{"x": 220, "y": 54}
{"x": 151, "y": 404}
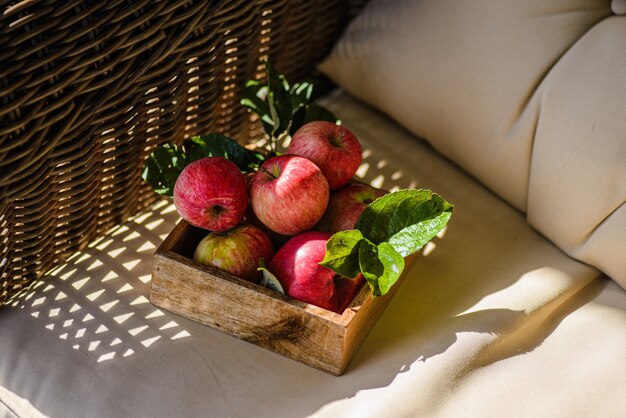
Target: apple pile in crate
{"x": 294, "y": 222}
{"x": 300, "y": 199}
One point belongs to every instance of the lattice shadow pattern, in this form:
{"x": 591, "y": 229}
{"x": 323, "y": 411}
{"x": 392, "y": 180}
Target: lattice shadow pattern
{"x": 87, "y": 89}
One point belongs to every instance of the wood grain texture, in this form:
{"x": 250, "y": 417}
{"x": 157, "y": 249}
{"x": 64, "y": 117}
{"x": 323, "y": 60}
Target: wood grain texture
{"x": 303, "y": 332}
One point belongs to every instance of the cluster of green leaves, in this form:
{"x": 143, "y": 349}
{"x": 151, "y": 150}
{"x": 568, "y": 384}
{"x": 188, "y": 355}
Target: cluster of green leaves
{"x": 165, "y": 163}
{"x": 282, "y": 108}
{"x": 389, "y": 229}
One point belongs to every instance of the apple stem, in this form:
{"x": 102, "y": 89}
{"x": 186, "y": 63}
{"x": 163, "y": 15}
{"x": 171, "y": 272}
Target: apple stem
{"x": 336, "y": 140}
{"x": 266, "y": 171}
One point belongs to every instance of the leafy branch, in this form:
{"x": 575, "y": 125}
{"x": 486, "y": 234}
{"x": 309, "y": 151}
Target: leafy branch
{"x": 282, "y": 108}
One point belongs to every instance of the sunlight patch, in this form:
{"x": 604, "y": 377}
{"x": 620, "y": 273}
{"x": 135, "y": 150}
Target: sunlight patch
{"x": 139, "y": 300}
{"x": 110, "y": 276}
{"x": 181, "y": 334}
{"x": 145, "y": 278}
{"x": 169, "y": 209}
{"x": 120, "y": 230}
{"x": 79, "y": 283}
{"x": 131, "y": 264}
{"x": 114, "y": 253}
{"x": 378, "y": 181}
{"x": 95, "y": 264}
{"x": 146, "y": 246}
{"x": 107, "y": 356}
{"x": 170, "y": 324}
{"x": 138, "y": 330}
{"x": 104, "y": 244}
{"x": 95, "y": 295}
{"x": 362, "y": 171}
{"x": 155, "y": 314}
{"x": 429, "y": 247}
{"x": 107, "y": 306}
{"x": 120, "y": 319}
{"x": 150, "y": 341}
{"x": 133, "y": 235}
{"x": 152, "y": 225}
{"x": 102, "y": 328}
{"x": 141, "y": 218}
{"x": 125, "y": 288}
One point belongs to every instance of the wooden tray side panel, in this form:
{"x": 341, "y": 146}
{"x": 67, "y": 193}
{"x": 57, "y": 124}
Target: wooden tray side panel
{"x": 224, "y": 303}
{"x": 367, "y": 315}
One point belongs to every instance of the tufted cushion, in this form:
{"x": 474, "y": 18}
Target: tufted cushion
{"x": 529, "y": 97}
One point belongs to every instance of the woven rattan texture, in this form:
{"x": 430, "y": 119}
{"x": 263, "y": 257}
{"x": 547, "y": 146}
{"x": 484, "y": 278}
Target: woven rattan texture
{"x": 88, "y": 88}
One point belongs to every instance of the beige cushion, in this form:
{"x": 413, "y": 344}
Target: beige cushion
{"x": 529, "y": 97}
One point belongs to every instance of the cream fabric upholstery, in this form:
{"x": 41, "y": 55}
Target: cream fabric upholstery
{"x": 493, "y": 321}
{"x": 527, "y": 96}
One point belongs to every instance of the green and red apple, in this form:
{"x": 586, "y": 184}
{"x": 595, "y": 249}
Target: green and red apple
{"x": 236, "y": 251}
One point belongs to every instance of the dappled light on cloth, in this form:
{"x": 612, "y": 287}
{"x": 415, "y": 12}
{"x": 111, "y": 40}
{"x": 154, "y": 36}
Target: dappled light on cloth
{"x": 98, "y": 302}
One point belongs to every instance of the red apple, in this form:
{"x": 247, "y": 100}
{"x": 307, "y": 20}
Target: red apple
{"x": 346, "y": 291}
{"x": 289, "y": 194}
{"x": 277, "y": 239}
{"x": 296, "y": 266}
{"x": 211, "y": 193}
{"x": 236, "y": 251}
{"x": 345, "y": 206}
{"x": 334, "y": 149}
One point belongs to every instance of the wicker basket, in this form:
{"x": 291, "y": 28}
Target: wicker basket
{"x": 88, "y": 88}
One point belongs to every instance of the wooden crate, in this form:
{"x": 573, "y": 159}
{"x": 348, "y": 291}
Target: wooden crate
{"x": 314, "y": 336}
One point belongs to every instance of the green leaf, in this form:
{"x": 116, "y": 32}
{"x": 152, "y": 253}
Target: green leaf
{"x": 406, "y": 219}
{"x": 308, "y": 114}
{"x": 317, "y": 112}
{"x": 218, "y": 145}
{"x": 272, "y": 100}
{"x": 412, "y": 238}
{"x": 269, "y": 280}
{"x": 300, "y": 95}
{"x": 380, "y": 264}
{"x": 162, "y": 167}
{"x": 279, "y": 100}
{"x": 275, "y": 131}
{"x": 342, "y": 253}
{"x": 255, "y": 98}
